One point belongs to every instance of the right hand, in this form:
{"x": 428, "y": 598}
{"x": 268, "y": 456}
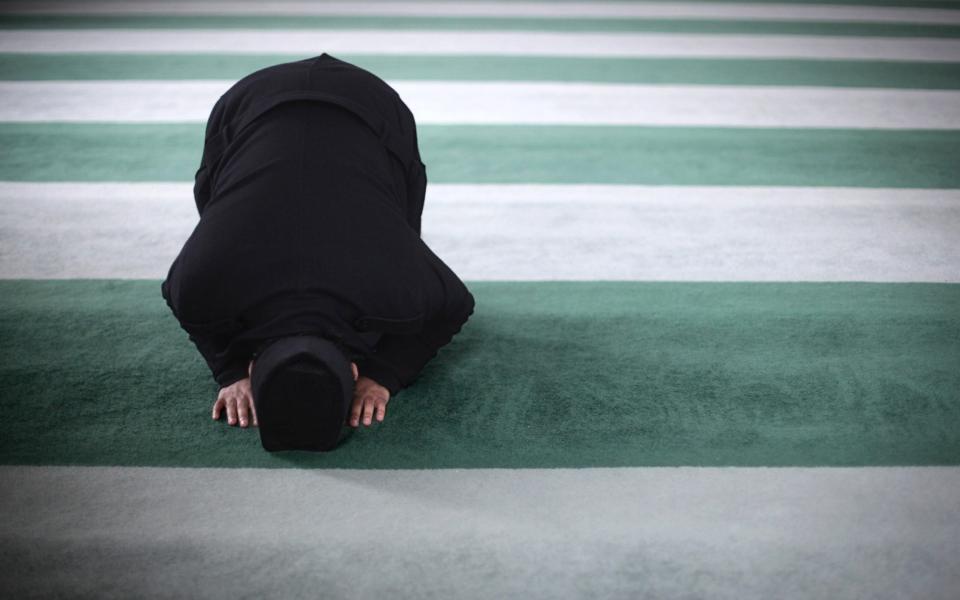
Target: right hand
{"x": 369, "y": 397}
{"x": 237, "y": 399}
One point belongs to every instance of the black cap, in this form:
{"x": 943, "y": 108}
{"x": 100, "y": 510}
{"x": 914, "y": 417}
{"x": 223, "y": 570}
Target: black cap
{"x": 302, "y": 389}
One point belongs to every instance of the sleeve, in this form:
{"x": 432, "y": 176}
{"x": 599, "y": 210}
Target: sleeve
{"x": 398, "y": 359}
{"x": 201, "y": 186}
{"x": 416, "y": 177}
{"x": 212, "y": 145}
{"x": 225, "y": 370}
{"x": 213, "y": 347}
{"x": 416, "y": 192}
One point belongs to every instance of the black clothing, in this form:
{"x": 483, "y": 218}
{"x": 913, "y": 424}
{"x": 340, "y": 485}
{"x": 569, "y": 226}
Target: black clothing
{"x": 310, "y": 193}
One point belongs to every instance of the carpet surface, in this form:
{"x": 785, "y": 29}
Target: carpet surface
{"x": 716, "y": 348}
{"x": 531, "y": 154}
{"x": 734, "y": 71}
{"x": 549, "y": 374}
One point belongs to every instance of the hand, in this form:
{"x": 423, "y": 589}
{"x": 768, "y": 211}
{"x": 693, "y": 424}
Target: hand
{"x": 369, "y": 397}
{"x": 237, "y": 398}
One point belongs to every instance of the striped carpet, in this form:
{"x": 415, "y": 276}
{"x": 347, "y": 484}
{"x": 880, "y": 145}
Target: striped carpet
{"x": 716, "y": 349}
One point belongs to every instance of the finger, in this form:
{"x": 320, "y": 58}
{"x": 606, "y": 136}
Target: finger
{"x": 355, "y": 411}
{"x": 242, "y": 410}
{"x": 383, "y": 410}
{"x": 217, "y": 406}
{"x": 368, "y": 411}
{"x": 253, "y": 411}
{"x": 232, "y": 411}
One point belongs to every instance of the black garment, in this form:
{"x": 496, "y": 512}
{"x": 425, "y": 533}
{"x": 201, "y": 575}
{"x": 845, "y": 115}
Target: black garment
{"x": 310, "y": 193}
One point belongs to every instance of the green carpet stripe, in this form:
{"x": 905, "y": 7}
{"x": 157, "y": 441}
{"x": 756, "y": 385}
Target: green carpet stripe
{"x": 836, "y": 73}
{"x": 11, "y": 22}
{"x": 530, "y": 154}
{"x": 550, "y": 374}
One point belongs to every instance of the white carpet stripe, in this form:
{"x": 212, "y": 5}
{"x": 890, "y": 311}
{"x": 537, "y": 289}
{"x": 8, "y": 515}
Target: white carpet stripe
{"x": 555, "y": 10}
{"x": 889, "y": 532}
{"x": 526, "y": 43}
{"x": 482, "y": 102}
{"x": 536, "y": 232}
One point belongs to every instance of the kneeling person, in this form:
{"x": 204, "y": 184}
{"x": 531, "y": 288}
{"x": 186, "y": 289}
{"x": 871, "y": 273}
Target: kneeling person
{"x": 306, "y": 285}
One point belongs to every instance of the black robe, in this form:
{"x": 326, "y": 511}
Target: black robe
{"x": 310, "y": 193}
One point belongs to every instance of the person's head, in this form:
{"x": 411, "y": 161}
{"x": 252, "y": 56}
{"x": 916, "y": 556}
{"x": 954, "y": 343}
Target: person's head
{"x": 302, "y": 389}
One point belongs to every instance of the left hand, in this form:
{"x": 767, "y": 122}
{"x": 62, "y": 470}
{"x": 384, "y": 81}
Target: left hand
{"x": 369, "y": 398}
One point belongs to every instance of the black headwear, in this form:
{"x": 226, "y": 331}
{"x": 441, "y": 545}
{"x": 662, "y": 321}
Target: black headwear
{"x": 302, "y": 389}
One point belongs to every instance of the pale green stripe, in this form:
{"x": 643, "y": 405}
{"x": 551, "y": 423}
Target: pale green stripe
{"x": 530, "y": 154}
{"x": 835, "y": 73}
{"x": 474, "y": 23}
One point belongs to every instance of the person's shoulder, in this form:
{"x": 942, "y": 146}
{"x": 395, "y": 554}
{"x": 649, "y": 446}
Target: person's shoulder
{"x": 355, "y": 74}
{"x": 271, "y": 77}
{"x": 244, "y": 92}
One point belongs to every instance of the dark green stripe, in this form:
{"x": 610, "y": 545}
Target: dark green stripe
{"x": 550, "y": 374}
{"x": 530, "y": 154}
{"x": 13, "y": 22}
{"x": 832, "y": 73}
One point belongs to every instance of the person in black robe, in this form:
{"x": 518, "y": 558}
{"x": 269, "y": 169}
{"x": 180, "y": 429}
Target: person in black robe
{"x": 310, "y": 193}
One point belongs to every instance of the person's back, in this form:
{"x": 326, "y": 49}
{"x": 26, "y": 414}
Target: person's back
{"x": 310, "y": 201}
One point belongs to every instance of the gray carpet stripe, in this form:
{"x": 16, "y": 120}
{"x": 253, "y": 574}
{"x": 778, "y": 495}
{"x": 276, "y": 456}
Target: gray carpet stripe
{"x": 493, "y": 102}
{"x": 481, "y": 533}
{"x": 520, "y": 43}
{"x": 536, "y": 232}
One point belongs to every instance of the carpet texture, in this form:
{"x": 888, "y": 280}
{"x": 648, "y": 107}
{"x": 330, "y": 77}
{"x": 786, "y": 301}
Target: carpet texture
{"x": 836, "y": 73}
{"x": 531, "y": 154}
{"x": 716, "y": 361}
{"x": 548, "y": 374}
